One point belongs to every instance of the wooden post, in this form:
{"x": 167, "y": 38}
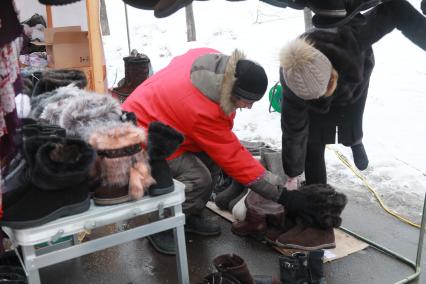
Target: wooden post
{"x": 95, "y": 45}
{"x": 49, "y": 16}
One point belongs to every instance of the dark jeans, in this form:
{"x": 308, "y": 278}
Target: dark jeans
{"x": 197, "y": 171}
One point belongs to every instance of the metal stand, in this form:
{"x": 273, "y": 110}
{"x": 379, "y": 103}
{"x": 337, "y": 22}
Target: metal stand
{"x": 415, "y": 265}
{"x": 98, "y": 216}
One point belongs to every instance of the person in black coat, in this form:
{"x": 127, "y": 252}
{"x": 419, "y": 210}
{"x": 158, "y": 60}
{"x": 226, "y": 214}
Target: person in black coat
{"x": 325, "y": 74}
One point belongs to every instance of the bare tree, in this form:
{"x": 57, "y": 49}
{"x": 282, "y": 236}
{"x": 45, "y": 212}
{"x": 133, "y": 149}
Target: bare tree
{"x": 190, "y": 23}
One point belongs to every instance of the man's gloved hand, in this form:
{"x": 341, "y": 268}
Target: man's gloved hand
{"x": 318, "y": 205}
{"x": 423, "y": 7}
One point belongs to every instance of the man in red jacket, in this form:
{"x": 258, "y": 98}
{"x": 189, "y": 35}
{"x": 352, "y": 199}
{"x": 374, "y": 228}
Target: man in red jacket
{"x": 197, "y": 94}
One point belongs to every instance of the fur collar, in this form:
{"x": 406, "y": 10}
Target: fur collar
{"x": 228, "y": 82}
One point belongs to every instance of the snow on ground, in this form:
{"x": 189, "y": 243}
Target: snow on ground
{"x": 394, "y": 119}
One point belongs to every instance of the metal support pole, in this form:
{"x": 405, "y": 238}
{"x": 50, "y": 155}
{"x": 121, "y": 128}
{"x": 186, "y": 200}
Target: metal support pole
{"x": 127, "y": 28}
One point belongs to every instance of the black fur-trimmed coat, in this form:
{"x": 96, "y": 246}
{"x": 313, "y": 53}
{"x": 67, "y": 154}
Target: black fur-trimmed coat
{"x": 349, "y": 48}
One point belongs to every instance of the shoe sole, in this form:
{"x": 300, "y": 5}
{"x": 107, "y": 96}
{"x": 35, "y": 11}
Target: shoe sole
{"x": 61, "y": 212}
{"x": 111, "y": 201}
{"x": 159, "y": 249}
{"x": 292, "y": 246}
{"x": 161, "y": 191}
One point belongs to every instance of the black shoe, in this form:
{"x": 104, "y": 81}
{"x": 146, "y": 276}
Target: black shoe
{"x": 201, "y": 226}
{"x": 163, "y": 242}
{"x": 360, "y": 156}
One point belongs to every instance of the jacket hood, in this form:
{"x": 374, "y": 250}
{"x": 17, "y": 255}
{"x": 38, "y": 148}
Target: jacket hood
{"x": 214, "y": 75}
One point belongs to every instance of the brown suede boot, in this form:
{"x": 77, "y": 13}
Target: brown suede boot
{"x": 254, "y": 225}
{"x": 308, "y": 239}
{"x": 235, "y": 266}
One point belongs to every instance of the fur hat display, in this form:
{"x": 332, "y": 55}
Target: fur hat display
{"x": 39, "y": 103}
{"x": 87, "y": 112}
{"x": 306, "y": 70}
{"x": 162, "y": 142}
{"x": 251, "y": 80}
{"x": 122, "y": 163}
{"x": 53, "y": 79}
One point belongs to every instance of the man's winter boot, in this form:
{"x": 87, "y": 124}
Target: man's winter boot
{"x": 254, "y": 225}
{"x": 200, "y": 225}
{"x": 163, "y": 242}
{"x": 53, "y": 79}
{"x": 308, "y": 239}
{"x": 223, "y": 198}
{"x": 360, "y": 156}
{"x": 136, "y": 70}
{"x": 165, "y": 8}
{"x": 162, "y": 142}
{"x": 58, "y": 186}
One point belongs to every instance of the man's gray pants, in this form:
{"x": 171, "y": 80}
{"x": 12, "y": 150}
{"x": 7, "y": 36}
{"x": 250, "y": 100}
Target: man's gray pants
{"x": 197, "y": 171}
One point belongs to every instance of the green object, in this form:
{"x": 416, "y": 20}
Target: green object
{"x": 275, "y": 97}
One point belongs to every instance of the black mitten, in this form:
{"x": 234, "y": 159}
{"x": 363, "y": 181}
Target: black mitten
{"x": 318, "y": 205}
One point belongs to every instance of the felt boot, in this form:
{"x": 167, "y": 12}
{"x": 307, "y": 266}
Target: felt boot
{"x": 223, "y": 198}
{"x": 254, "y": 225}
{"x": 302, "y": 267}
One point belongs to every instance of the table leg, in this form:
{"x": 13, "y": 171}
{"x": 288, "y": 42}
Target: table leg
{"x": 28, "y": 253}
{"x": 181, "y": 257}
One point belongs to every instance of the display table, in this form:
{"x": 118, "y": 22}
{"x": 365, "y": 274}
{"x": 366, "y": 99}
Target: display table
{"x": 98, "y": 216}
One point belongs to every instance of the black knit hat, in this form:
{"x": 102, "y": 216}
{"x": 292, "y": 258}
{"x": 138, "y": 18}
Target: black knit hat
{"x": 251, "y": 80}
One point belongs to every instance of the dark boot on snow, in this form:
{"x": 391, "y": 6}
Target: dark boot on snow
{"x": 360, "y": 156}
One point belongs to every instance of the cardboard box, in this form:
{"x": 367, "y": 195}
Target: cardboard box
{"x": 66, "y": 47}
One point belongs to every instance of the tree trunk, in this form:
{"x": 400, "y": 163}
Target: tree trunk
{"x": 190, "y": 23}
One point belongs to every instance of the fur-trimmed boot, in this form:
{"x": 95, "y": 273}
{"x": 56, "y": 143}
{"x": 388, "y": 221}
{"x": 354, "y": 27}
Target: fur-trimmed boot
{"x": 136, "y": 70}
{"x": 162, "y": 142}
{"x": 53, "y": 79}
{"x": 59, "y": 170}
{"x": 122, "y": 164}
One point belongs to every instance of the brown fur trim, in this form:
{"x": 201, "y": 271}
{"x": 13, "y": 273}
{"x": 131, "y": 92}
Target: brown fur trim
{"x": 228, "y": 82}
{"x": 122, "y": 135}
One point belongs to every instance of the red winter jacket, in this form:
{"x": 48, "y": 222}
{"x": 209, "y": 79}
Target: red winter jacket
{"x": 192, "y": 94}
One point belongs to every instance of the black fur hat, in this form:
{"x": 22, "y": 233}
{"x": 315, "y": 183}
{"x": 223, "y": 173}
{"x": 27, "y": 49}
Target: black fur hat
{"x": 163, "y": 140}
{"x": 53, "y": 79}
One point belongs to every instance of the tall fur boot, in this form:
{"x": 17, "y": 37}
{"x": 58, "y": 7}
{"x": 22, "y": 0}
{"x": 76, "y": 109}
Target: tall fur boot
{"x": 122, "y": 164}
{"x": 162, "y": 142}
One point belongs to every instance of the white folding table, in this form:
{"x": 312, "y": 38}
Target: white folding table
{"x": 98, "y": 216}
